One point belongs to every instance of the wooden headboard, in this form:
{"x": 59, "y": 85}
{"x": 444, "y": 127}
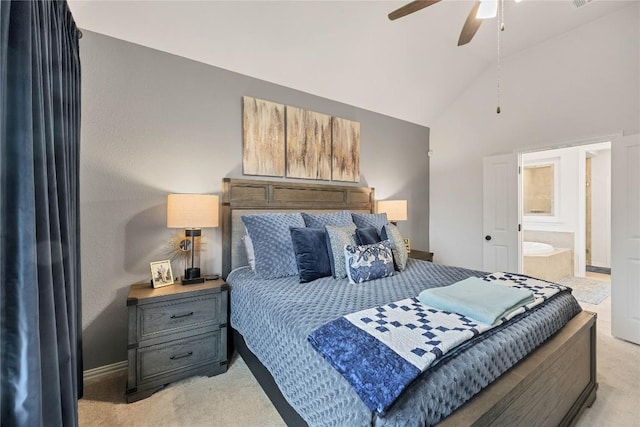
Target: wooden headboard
{"x": 243, "y": 196}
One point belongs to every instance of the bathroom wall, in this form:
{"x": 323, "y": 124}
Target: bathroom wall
{"x": 538, "y": 183}
{"x": 601, "y": 208}
{"x": 569, "y": 200}
{"x": 566, "y": 171}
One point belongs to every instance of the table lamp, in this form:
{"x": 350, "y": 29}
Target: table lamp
{"x": 193, "y": 212}
{"x": 396, "y": 210}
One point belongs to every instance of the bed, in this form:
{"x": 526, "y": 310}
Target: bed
{"x": 550, "y": 386}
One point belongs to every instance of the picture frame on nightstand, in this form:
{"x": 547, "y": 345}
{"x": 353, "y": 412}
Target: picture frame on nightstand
{"x": 407, "y": 243}
{"x": 161, "y": 273}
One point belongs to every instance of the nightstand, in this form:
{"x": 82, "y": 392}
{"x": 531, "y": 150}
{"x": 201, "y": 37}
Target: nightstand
{"x": 175, "y": 332}
{"x": 424, "y": 256}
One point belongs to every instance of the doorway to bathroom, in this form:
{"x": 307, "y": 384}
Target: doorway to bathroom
{"x": 565, "y": 202}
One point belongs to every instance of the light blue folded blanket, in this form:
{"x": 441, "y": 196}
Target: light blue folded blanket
{"x": 477, "y": 299}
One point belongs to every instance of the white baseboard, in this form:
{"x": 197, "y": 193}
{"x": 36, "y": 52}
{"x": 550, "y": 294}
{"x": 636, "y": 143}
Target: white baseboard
{"x": 100, "y": 371}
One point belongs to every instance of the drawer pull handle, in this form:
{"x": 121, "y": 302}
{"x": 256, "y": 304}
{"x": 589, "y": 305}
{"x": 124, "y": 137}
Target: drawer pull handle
{"x": 173, "y": 316}
{"x": 181, "y": 356}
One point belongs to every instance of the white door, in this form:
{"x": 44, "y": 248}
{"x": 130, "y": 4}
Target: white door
{"x": 625, "y": 238}
{"x": 500, "y": 217}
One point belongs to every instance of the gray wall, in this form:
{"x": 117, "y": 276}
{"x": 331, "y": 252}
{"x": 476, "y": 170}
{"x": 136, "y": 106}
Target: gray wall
{"x": 155, "y": 123}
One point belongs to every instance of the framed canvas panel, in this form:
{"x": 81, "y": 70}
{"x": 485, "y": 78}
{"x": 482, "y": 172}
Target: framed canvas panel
{"x": 345, "y": 164}
{"x": 308, "y": 144}
{"x": 263, "y": 137}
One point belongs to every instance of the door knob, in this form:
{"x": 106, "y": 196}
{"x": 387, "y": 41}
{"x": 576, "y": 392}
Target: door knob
{"x": 487, "y": 237}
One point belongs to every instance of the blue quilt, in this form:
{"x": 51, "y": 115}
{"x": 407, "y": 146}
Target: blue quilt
{"x": 276, "y": 316}
{"x": 381, "y": 350}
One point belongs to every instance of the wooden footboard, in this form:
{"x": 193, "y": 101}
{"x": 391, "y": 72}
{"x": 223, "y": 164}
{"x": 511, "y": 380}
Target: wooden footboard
{"x": 550, "y": 387}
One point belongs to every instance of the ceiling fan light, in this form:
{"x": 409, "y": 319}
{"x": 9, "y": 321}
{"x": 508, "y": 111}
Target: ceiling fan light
{"x": 488, "y": 9}
{"x": 518, "y": 1}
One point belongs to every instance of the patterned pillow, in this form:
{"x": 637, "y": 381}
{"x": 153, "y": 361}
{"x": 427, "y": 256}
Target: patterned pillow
{"x": 272, "y": 245}
{"x": 336, "y": 219}
{"x": 370, "y": 220}
{"x": 368, "y": 262}
{"x": 312, "y": 256}
{"x": 337, "y": 239}
{"x": 367, "y": 236}
{"x": 398, "y": 247}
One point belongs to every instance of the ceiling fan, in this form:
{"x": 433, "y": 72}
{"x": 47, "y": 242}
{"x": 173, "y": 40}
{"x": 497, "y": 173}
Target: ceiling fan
{"x": 482, "y": 9}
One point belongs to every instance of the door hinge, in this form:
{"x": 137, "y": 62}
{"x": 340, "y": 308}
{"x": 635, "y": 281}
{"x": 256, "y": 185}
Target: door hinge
{"x": 519, "y": 170}
{"x": 519, "y": 227}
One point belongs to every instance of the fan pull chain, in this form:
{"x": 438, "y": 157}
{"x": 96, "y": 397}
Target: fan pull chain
{"x": 499, "y": 62}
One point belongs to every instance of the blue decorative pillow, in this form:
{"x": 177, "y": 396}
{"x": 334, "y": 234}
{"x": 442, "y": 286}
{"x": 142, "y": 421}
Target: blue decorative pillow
{"x": 272, "y": 245}
{"x": 320, "y": 220}
{"x": 369, "y": 262}
{"x": 398, "y": 247}
{"x": 312, "y": 256}
{"x": 370, "y": 220}
{"x": 367, "y": 236}
{"x": 337, "y": 239}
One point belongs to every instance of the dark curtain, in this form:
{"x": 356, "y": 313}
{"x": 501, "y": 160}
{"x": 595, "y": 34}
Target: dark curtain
{"x": 39, "y": 207}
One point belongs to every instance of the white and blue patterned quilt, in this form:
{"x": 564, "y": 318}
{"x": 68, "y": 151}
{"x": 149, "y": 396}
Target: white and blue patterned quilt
{"x": 381, "y": 350}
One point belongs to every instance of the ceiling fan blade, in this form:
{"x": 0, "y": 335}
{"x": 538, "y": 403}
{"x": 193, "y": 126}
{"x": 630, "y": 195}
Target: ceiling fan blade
{"x": 471, "y": 25}
{"x": 409, "y": 8}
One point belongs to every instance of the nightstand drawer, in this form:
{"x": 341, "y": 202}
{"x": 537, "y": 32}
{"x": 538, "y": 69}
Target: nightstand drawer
{"x": 165, "y": 318}
{"x": 175, "y": 357}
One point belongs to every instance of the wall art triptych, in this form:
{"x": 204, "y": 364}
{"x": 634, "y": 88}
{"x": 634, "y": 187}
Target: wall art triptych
{"x": 263, "y": 135}
{"x": 290, "y": 142}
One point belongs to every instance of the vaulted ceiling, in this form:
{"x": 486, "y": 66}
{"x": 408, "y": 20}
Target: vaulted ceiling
{"x": 347, "y": 51}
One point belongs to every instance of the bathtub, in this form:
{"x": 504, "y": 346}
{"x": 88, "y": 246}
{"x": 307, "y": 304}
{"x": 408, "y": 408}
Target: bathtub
{"x": 547, "y": 262}
{"x": 536, "y": 248}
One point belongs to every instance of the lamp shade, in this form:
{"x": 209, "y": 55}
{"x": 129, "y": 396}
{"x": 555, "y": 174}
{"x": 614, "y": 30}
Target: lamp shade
{"x": 396, "y": 210}
{"x": 192, "y": 211}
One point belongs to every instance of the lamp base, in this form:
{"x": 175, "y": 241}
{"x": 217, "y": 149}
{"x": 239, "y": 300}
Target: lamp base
{"x": 192, "y": 276}
{"x": 186, "y": 281}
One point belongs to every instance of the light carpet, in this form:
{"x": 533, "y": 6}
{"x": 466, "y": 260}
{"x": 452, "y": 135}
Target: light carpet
{"x": 235, "y": 399}
{"x": 587, "y": 290}
{"x": 230, "y": 399}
